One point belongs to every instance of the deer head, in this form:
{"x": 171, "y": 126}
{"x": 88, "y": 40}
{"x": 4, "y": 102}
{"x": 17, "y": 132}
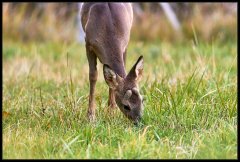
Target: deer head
{"x": 127, "y": 94}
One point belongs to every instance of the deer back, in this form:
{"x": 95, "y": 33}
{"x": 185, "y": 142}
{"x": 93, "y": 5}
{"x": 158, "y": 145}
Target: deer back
{"x": 107, "y": 27}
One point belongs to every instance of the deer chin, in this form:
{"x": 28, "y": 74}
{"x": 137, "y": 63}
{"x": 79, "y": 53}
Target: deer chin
{"x": 125, "y": 111}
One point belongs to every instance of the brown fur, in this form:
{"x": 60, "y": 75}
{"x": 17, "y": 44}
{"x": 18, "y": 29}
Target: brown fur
{"x": 107, "y": 27}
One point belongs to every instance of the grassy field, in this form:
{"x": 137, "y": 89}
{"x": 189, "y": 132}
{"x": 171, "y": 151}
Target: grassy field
{"x": 190, "y": 93}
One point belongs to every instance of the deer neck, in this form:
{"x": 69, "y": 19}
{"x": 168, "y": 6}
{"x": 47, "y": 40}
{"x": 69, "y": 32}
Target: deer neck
{"x": 118, "y": 67}
{"x": 114, "y": 56}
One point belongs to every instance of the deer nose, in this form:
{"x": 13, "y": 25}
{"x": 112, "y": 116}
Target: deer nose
{"x": 138, "y": 121}
{"x": 139, "y": 118}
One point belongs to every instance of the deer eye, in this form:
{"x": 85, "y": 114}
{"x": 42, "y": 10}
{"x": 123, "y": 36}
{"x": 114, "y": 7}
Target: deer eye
{"x": 126, "y": 108}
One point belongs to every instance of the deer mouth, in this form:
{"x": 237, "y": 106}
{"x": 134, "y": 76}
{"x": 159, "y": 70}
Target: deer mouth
{"x": 136, "y": 119}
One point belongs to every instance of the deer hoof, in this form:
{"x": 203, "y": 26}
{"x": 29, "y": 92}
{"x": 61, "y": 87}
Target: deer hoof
{"x": 91, "y": 117}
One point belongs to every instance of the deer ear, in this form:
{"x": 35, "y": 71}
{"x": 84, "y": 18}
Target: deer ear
{"x": 137, "y": 70}
{"x": 110, "y": 77}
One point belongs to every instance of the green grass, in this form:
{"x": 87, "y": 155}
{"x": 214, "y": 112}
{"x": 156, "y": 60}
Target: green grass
{"x": 190, "y": 103}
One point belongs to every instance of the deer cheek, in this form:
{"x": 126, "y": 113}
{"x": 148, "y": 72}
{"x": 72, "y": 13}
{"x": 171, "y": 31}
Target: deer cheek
{"x": 118, "y": 101}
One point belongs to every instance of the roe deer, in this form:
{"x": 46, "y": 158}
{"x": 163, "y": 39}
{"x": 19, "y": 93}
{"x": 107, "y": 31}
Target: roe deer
{"x": 107, "y": 27}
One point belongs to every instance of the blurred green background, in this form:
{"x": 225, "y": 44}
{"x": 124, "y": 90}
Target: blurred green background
{"x": 59, "y": 22}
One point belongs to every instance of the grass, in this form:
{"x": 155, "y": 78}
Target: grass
{"x": 190, "y": 96}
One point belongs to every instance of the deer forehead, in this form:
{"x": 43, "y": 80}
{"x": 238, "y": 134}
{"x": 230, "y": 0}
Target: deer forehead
{"x": 131, "y": 91}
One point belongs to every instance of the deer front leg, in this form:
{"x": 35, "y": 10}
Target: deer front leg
{"x": 111, "y": 99}
{"x": 92, "y": 61}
